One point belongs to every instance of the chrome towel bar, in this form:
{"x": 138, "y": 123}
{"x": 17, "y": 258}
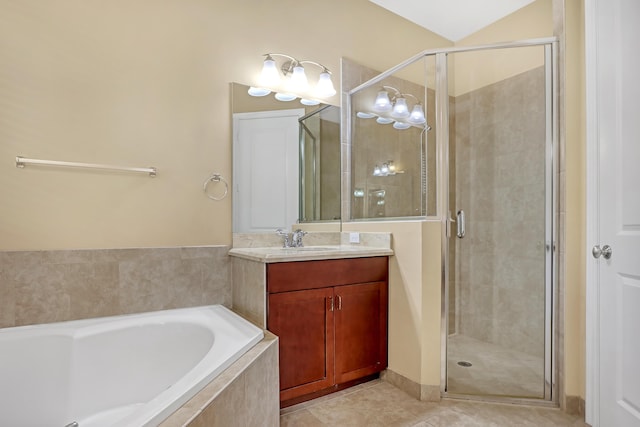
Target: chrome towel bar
{"x": 21, "y": 162}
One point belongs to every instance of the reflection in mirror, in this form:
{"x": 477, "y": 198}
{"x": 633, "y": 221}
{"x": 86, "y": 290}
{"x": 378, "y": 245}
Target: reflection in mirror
{"x": 286, "y": 163}
{"x": 393, "y": 152}
{"x": 320, "y": 161}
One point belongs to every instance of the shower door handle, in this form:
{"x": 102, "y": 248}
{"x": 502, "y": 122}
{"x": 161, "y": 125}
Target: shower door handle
{"x": 460, "y": 224}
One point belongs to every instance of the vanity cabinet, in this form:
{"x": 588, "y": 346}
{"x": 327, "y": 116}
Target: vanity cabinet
{"x": 331, "y": 320}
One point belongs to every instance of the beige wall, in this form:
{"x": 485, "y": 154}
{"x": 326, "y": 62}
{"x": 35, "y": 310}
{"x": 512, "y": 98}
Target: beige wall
{"x": 575, "y": 190}
{"x": 147, "y": 84}
{"x": 474, "y": 70}
{"x": 414, "y": 297}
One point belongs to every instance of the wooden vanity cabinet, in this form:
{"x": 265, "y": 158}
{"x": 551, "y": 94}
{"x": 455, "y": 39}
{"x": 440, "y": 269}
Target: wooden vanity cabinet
{"x": 331, "y": 320}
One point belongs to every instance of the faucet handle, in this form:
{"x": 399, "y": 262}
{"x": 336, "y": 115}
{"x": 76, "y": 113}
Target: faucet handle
{"x": 286, "y": 242}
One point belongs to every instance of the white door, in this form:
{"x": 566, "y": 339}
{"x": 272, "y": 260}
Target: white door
{"x": 617, "y": 183}
{"x": 265, "y": 170}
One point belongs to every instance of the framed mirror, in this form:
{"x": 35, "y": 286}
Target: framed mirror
{"x": 286, "y": 163}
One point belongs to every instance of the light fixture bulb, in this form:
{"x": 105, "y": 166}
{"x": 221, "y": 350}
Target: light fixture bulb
{"x": 392, "y": 167}
{"x": 382, "y": 103}
{"x": 309, "y": 102}
{"x": 384, "y": 170}
{"x": 298, "y": 82}
{"x": 384, "y": 120}
{"x": 417, "y": 115}
{"x": 285, "y": 96}
{"x": 377, "y": 171}
{"x": 270, "y": 76}
{"x": 401, "y": 126}
{"x": 363, "y": 115}
{"x": 258, "y": 91}
{"x": 324, "y": 88}
{"x": 400, "y": 109}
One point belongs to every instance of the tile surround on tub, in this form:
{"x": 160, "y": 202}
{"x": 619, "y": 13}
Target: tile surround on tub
{"x": 245, "y": 394}
{"x": 58, "y": 285}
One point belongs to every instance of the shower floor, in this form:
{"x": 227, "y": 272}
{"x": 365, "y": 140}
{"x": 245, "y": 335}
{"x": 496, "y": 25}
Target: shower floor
{"x": 495, "y": 370}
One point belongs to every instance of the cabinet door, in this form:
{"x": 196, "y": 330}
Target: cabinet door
{"x": 360, "y": 330}
{"x": 303, "y": 321}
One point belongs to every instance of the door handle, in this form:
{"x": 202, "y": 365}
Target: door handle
{"x": 460, "y": 224}
{"x": 605, "y": 251}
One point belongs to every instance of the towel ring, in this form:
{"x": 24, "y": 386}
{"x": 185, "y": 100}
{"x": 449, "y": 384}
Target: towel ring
{"x": 216, "y": 177}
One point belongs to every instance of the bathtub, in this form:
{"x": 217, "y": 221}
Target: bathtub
{"x": 131, "y": 370}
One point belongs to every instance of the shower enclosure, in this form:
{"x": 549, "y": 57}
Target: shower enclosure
{"x": 484, "y": 165}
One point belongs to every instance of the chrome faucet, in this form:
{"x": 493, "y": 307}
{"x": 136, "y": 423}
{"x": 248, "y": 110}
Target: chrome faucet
{"x": 296, "y": 239}
{"x": 286, "y": 237}
{"x": 291, "y": 240}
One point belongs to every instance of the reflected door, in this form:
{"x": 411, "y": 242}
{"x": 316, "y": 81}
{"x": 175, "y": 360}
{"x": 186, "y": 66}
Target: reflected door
{"x": 265, "y": 170}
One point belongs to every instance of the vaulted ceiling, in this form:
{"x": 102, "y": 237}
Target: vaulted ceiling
{"x": 453, "y": 19}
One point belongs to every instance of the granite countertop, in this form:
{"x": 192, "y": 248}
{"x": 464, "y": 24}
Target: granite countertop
{"x": 308, "y": 253}
{"x": 268, "y": 248}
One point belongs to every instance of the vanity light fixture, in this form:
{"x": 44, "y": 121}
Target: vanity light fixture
{"x": 397, "y": 106}
{"x": 294, "y": 77}
{"x": 390, "y": 106}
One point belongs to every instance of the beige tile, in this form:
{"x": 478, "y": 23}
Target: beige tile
{"x": 381, "y": 404}
{"x": 49, "y": 286}
{"x": 92, "y": 289}
{"x": 302, "y": 418}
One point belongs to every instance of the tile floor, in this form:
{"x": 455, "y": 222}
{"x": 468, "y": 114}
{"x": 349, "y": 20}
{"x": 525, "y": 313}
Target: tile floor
{"x": 378, "y": 403}
{"x": 495, "y": 370}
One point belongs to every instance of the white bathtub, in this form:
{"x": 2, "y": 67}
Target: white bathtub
{"x": 132, "y": 370}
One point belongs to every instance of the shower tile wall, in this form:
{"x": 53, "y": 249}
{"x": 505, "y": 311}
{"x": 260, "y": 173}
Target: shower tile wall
{"x": 499, "y": 164}
{"x": 52, "y": 286}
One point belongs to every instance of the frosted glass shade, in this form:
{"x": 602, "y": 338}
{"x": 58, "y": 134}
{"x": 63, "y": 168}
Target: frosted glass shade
{"x": 384, "y": 120}
{"x": 325, "y": 88}
{"x": 400, "y": 109}
{"x": 382, "y": 103}
{"x": 417, "y": 115}
{"x": 285, "y": 96}
{"x": 401, "y": 126}
{"x": 298, "y": 82}
{"x": 270, "y": 76}
{"x": 309, "y": 102}
{"x": 258, "y": 91}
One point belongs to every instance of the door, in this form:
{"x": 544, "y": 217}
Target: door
{"x": 303, "y": 322}
{"x": 360, "y": 330}
{"x": 499, "y": 254}
{"x": 265, "y": 170}
{"x": 617, "y": 184}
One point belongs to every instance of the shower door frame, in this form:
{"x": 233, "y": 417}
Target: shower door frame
{"x": 551, "y": 214}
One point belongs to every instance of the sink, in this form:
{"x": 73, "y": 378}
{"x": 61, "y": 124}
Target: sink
{"x": 312, "y": 249}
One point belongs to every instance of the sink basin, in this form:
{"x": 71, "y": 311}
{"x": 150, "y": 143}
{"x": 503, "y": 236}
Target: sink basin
{"x": 312, "y": 249}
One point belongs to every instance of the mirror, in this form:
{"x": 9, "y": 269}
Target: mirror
{"x": 286, "y": 163}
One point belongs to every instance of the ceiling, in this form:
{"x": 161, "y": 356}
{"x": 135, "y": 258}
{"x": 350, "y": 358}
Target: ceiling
{"x": 452, "y": 19}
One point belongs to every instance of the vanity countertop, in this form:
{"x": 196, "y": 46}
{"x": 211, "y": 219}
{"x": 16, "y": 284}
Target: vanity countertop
{"x": 308, "y": 253}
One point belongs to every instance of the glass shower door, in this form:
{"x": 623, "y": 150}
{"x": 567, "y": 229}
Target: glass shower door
{"x": 498, "y": 341}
